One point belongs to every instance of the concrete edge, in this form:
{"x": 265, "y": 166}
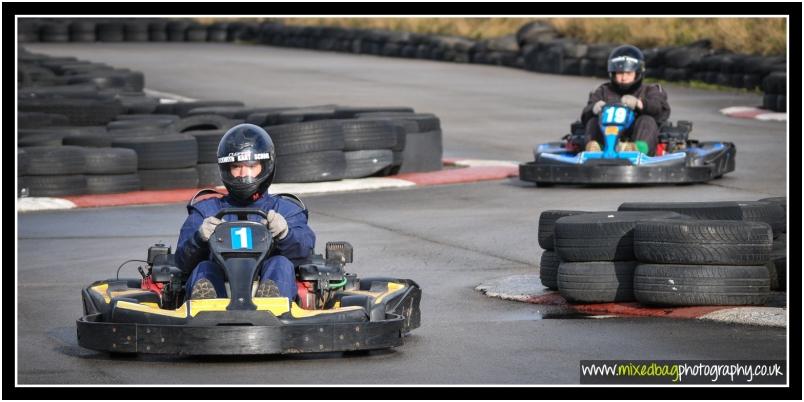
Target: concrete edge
{"x": 484, "y": 170}
{"x": 750, "y": 112}
{"x": 528, "y": 289}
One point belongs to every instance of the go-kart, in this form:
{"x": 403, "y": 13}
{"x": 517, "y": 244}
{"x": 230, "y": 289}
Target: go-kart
{"x": 334, "y": 310}
{"x": 678, "y": 159}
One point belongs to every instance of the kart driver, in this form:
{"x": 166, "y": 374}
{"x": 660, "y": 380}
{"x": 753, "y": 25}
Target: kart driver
{"x": 246, "y": 158}
{"x": 626, "y": 68}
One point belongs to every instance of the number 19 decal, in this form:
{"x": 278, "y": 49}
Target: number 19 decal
{"x": 241, "y": 238}
{"x": 615, "y": 115}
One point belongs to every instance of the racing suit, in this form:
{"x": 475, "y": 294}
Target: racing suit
{"x": 193, "y": 255}
{"x": 655, "y": 111}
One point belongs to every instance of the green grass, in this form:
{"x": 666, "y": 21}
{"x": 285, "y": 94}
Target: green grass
{"x": 741, "y": 35}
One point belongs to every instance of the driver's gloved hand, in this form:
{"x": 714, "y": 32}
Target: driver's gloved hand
{"x": 207, "y": 227}
{"x": 598, "y": 107}
{"x": 277, "y": 225}
{"x": 631, "y": 101}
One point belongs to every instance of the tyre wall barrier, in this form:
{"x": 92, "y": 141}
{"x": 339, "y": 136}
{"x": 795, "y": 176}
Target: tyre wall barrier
{"x": 104, "y": 135}
{"x": 536, "y": 46}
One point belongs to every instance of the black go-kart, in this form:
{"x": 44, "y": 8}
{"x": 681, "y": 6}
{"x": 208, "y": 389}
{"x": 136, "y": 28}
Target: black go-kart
{"x": 333, "y": 312}
{"x": 678, "y": 158}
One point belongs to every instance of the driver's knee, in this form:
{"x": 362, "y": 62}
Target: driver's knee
{"x": 207, "y": 270}
{"x": 646, "y": 129}
{"x": 280, "y": 270}
{"x": 592, "y": 131}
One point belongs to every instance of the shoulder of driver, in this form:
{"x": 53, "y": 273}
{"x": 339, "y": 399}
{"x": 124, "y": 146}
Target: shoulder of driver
{"x": 284, "y": 207}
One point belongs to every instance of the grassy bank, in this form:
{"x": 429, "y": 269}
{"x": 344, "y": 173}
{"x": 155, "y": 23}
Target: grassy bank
{"x": 742, "y": 35}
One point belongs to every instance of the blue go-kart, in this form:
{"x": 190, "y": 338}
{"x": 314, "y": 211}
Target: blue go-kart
{"x": 678, "y": 159}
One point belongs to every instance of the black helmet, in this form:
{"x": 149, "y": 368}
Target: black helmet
{"x": 243, "y": 143}
{"x": 626, "y": 58}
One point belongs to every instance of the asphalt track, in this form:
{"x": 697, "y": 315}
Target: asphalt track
{"x": 448, "y": 238}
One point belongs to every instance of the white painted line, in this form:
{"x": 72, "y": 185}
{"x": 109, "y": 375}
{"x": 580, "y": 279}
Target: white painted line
{"x": 369, "y": 183}
{"x": 167, "y": 97}
{"x": 772, "y": 116}
{"x": 762, "y": 114}
{"x": 28, "y": 204}
{"x": 738, "y": 109}
{"x": 484, "y": 162}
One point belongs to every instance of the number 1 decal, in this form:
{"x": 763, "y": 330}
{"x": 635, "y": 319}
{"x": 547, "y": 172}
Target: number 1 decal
{"x": 241, "y": 238}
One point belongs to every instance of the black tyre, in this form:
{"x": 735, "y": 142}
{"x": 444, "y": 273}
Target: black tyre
{"x": 203, "y": 122}
{"x": 700, "y": 285}
{"x": 300, "y": 138}
{"x": 752, "y": 211}
{"x": 59, "y": 160}
{"x": 775, "y": 83}
{"x": 235, "y": 112}
{"x": 208, "y": 141}
{"x": 781, "y": 202}
{"x": 147, "y": 116}
{"x": 22, "y": 162}
{"x": 139, "y": 123}
{"x": 548, "y": 269}
{"x": 310, "y": 167}
{"x": 110, "y": 32}
{"x": 366, "y": 162}
{"x": 44, "y": 139}
{"x": 113, "y": 183}
{"x": 165, "y": 179}
{"x": 164, "y": 152}
{"x": 80, "y": 112}
{"x": 423, "y": 152}
{"x": 55, "y": 185}
{"x": 596, "y": 282}
{"x": 781, "y": 104}
{"x": 368, "y": 134}
{"x": 769, "y": 101}
{"x": 196, "y": 33}
{"x": 183, "y": 108}
{"x": 39, "y": 120}
{"x": 777, "y": 265}
{"x": 547, "y": 221}
{"x": 349, "y": 112}
{"x": 302, "y": 115}
{"x": 703, "y": 242}
{"x": 606, "y": 236}
{"x": 110, "y": 161}
{"x": 425, "y": 121}
{"x": 209, "y": 175}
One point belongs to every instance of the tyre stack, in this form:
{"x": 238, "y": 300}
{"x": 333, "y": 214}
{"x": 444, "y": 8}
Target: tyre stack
{"x": 777, "y": 265}
{"x": 741, "y": 242}
{"x": 548, "y": 266}
{"x": 596, "y": 251}
{"x": 702, "y": 262}
{"x": 165, "y": 161}
{"x": 369, "y": 146}
{"x": 54, "y": 171}
{"x": 309, "y": 151}
{"x": 775, "y": 86}
{"x": 73, "y": 103}
{"x": 423, "y": 147}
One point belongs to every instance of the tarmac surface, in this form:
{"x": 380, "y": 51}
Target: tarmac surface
{"x": 449, "y": 238}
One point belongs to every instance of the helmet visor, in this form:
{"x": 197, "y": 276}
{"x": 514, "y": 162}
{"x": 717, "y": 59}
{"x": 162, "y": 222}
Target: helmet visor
{"x": 624, "y": 63}
{"x": 245, "y": 167}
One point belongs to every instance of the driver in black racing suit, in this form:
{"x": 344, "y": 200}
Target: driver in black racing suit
{"x": 626, "y": 68}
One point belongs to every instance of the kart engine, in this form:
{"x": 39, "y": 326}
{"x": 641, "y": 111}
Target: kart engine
{"x": 163, "y": 277}
{"x": 322, "y": 277}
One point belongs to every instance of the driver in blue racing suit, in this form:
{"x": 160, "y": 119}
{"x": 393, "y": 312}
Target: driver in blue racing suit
{"x": 626, "y": 68}
{"x": 246, "y": 158}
